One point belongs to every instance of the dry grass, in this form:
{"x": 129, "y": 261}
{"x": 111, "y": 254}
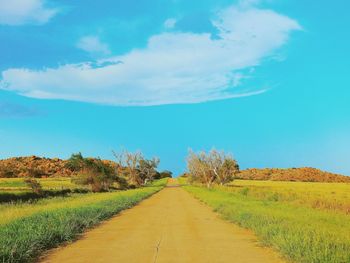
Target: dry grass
{"x": 329, "y": 196}
{"x": 306, "y": 222}
{"x": 27, "y": 229}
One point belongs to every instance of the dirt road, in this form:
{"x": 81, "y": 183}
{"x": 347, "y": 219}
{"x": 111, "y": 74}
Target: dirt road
{"x": 171, "y": 226}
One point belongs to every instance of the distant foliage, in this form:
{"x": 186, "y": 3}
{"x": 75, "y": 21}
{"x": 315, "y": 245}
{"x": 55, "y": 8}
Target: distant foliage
{"x": 93, "y": 172}
{"x": 148, "y": 169}
{"x": 212, "y": 167}
{"x": 75, "y": 163}
{"x": 164, "y": 174}
{"x": 35, "y": 172}
{"x": 136, "y": 168}
{"x": 7, "y": 171}
{"x": 293, "y": 174}
{"x": 131, "y": 170}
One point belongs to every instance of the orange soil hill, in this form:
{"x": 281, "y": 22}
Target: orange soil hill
{"x": 33, "y": 166}
{"x": 305, "y": 174}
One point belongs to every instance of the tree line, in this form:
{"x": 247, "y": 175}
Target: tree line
{"x": 130, "y": 170}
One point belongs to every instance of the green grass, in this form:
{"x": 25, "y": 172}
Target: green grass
{"x": 301, "y": 233}
{"x": 55, "y": 183}
{"x": 15, "y": 189}
{"x": 26, "y": 230}
{"x": 329, "y": 196}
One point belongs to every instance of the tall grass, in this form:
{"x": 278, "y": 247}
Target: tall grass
{"x": 300, "y": 233}
{"x": 27, "y": 230}
{"x": 329, "y": 196}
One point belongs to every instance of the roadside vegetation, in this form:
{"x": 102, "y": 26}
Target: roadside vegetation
{"x": 334, "y": 197}
{"x": 306, "y": 222}
{"x": 78, "y": 174}
{"x": 45, "y": 202}
{"x": 26, "y": 229}
{"x": 300, "y": 233}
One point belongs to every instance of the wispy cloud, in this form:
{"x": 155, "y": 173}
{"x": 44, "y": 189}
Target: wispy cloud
{"x": 19, "y": 12}
{"x": 13, "y": 110}
{"x": 170, "y": 23}
{"x": 175, "y": 67}
{"x": 93, "y": 45}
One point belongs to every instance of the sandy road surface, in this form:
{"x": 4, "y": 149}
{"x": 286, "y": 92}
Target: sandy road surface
{"x": 171, "y": 226}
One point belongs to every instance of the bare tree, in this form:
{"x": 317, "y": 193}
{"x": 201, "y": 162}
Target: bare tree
{"x": 147, "y": 169}
{"x": 129, "y": 161}
{"x": 199, "y": 168}
{"x": 136, "y": 168}
{"x": 212, "y": 167}
{"x": 223, "y": 166}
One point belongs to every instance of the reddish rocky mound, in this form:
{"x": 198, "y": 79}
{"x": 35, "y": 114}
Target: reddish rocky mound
{"x": 33, "y": 166}
{"x": 305, "y": 174}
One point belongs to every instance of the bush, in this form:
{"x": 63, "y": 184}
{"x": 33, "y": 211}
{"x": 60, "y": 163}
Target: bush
{"x": 164, "y": 174}
{"x": 7, "y": 172}
{"x": 34, "y": 185}
{"x": 75, "y": 162}
{"x": 35, "y": 173}
{"x": 94, "y": 172}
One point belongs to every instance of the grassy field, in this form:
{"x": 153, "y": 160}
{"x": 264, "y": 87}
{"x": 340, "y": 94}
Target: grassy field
{"x": 329, "y": 196}
{"x": 27, "y": 229}
{"x": 306, "y": 222}
{"x": 15, "y": 189}
{"x": 16, "y": 184}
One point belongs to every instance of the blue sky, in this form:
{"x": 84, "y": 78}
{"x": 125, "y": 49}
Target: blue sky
{"x": 265, "y": 80}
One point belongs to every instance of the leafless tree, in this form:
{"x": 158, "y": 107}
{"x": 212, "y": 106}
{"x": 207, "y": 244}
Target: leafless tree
{"x": 136, "y": 168}
{"x": 212, "y": 167}
{"x": 129, "y": 161}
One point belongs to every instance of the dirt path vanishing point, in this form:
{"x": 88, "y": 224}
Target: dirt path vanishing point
{"x": 170, "y": 226}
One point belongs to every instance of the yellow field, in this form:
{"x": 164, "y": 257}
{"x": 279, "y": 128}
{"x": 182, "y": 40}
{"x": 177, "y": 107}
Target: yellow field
{"x": 10, "y": 212}
{"x": 57, "y": 183}
{"x": 330, "y": 196}
{"x": 305, "y": 222}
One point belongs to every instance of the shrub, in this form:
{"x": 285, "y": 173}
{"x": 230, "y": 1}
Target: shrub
{"x": 94, "y": 172}
{"x": 34, "y": 185}
{"x": 35, "y": 172}
{"x": 75, "y": 162}
{"x": 165, "y": 174}
{"x": 7, "y": 172}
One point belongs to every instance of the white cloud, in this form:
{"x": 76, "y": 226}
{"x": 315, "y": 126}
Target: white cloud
{"x": 93, "y": 45}
{"x": 19, "y": 12}
{"x": 174, "y": 67}
{"x": 170, "y": 23}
